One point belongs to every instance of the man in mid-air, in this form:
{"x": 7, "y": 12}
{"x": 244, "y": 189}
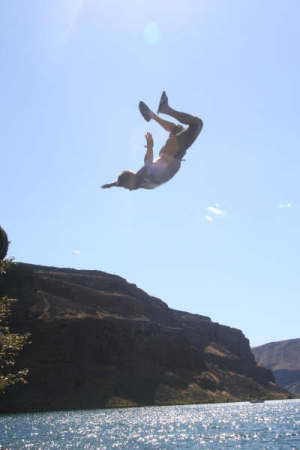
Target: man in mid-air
{"x": 158, "y": 171}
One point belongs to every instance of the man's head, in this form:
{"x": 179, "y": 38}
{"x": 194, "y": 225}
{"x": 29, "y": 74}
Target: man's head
{"x": 127, "y": 180}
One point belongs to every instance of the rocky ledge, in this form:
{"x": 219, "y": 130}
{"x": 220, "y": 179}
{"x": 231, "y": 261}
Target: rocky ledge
{"x": 99, "y": 341}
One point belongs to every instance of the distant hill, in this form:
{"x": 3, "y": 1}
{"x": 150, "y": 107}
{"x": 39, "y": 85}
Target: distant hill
{"x": 283, "y": 358}
{"x": 99, "y": 341}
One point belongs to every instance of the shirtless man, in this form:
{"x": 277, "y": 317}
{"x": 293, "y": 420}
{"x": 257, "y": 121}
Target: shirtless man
{"x": 158, "y": 171}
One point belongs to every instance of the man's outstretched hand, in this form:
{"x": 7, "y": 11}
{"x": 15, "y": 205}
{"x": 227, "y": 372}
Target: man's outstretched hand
{"x": 109, "y": 185}
{"x": 149, "y": 140}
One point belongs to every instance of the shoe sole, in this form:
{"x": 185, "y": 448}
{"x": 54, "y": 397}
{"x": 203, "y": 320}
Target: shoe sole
{"x": 144, "y": 110}
{"x": 161, "y": 102}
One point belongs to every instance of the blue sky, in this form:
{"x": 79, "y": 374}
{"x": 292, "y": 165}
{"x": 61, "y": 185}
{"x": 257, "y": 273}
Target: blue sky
{"x": 222, "y": 237}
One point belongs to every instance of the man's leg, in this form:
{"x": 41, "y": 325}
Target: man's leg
{"x": 186, "y": 138}
{"x": 168, "y": 126}
{"x": 182, "y": 117}
{"x": 148, "y": 115}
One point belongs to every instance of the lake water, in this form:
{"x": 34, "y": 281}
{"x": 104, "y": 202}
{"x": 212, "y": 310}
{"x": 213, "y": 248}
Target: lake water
{"x": 269, "y": 425}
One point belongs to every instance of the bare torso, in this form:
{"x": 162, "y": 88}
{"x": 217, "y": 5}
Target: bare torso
{"x": 157, "y": 172}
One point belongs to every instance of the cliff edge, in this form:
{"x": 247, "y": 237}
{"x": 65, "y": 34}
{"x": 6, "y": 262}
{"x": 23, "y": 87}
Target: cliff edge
{"x": 99, "y": 341}
{"x": 283, "y": 358}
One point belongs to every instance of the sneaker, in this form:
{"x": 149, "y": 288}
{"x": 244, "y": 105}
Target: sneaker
{"x": 163, "y": 101}
{"x": 145, "y": 111}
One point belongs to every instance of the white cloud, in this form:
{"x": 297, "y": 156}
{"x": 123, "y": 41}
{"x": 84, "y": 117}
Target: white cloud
{"x": 209, "y": 218}
{"x": 214, "y": 210}
{"x": 285, "y": 205}
{"x": 76, "y": 252}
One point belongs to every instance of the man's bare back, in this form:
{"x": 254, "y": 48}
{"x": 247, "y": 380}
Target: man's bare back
{"x": 162, "y": 169}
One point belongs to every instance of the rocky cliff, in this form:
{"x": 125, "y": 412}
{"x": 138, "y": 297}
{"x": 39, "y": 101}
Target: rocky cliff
{"x": 283, "y": 358}
{"x": 99, "y": 341}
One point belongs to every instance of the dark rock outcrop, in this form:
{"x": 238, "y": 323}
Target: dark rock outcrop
{"x": 283, "y": 358}
{"x": 99, "y": 341}
{"x": 3, "y": 243}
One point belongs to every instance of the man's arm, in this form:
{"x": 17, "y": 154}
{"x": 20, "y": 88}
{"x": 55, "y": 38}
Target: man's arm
{"x": 148, "y": 159}
{"x": 109, "y": 185}
{"x": 149, "y": 153}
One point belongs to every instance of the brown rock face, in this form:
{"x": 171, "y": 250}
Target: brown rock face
{"x": 99, "y": 341}
{"x": 283, "y": 358}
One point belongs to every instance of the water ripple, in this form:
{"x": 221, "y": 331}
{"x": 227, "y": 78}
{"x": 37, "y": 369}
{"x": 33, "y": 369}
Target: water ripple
{"x": 271, "y": 425}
